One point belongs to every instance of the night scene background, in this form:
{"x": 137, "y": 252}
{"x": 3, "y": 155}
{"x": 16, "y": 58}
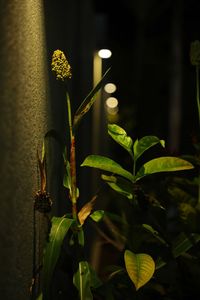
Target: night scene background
{"x": 156, "y": 92}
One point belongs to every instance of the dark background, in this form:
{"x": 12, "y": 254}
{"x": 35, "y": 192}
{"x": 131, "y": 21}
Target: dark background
{"x": 150, "y": 42}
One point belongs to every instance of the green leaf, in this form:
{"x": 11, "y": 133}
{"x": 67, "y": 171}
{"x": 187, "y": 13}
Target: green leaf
{"x": 163, "y": 164}
{"x": 88, "y": 102}
{"x": 106, "y": 164}
{"x": 120, "y": 185}
{"x": 40, "y": 297}
{"x": 67, "y": 176}
{"x": 120, "y": 136}
{"x": 82, "y": 281}
{"x": 59, "y": 229}
{"x": 143, "y": 144}
{"x": 140, "y": 267}
{"x": 97, "y": 215}
{"x": 95, "y": 281}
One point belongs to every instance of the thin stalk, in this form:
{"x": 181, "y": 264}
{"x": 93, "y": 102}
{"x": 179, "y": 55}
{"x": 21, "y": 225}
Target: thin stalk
{"x": 69, "y": 116}
{"x": 72, "y": 162}
{"x": 73, "y": 178}
{"x": 134, "y": 167}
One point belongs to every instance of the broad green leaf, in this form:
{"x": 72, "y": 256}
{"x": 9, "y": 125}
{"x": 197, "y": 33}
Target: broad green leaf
{"x": 82, "y": 281}
{"x": 88, "y": 102}
{"x": 180, "y": 245}
{"x": 97, "y": 215}
{"x": 143, "y": 144}
{"x": 120, "y": 185}
{"x": 106, "y": 164}
{"x": 140, "y": 267}
{"x": 120, "y": 136}
{"x": 59, "y": 229}
{"x": 163, "y": 164}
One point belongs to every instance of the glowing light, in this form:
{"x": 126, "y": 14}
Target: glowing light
{"x": 104, "y": 53}
{"x": 112, "y": 102}
{"x": 110, "y": 88}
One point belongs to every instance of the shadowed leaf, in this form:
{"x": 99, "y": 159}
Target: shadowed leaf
{"x": 59, "y": 229}
{"x": 120, "y": 185}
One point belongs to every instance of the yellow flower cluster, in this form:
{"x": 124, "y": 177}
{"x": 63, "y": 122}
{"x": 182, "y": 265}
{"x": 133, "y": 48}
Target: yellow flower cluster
{"x": 195, "y": 53}
{"x": 60, "y": 65}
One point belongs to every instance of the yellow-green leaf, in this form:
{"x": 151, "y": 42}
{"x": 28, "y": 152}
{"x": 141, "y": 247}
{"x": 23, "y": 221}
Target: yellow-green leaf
{"x": 140, "y": 267}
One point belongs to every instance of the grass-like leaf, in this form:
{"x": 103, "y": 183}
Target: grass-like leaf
{"x": 59, "y": 229}
{"x": 179, "y": 246}
{"x": 140, "y": 267}
{"x": 88, "y": 102}
{"x": 82, "y": 281}
{"x": 106, "y": 164}
{"x": 163, "y": 164}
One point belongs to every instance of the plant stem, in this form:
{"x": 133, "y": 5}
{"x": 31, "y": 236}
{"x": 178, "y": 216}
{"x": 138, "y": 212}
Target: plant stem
{"x": 69, "y": 116}
{"x": 73, "y": 177}
{"x": 72, "y": 162}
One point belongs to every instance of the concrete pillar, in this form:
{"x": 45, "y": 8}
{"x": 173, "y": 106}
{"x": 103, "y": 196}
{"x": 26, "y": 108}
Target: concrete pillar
{"x": 23, "y": 121}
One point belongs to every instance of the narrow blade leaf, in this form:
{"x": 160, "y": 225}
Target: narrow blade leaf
{"x": 59, "y": 229}
{"x": 163, "y": 164}
{"x": 120, "y": 136}
{"x": 140, "y": 267}
{"x": 82, "y": 281}
{"x": 88, "y": 102}
{"x": 183, "y": 243}
{"x": 106, "y": 164}
{"x": 143, "y": 144}
{"x": 180, "y": 245}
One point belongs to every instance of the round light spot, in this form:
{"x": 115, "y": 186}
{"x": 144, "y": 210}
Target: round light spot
{"x": 110, "y": 88}
{"x": 104, "y": 53}
{"x": 112, "y": 102}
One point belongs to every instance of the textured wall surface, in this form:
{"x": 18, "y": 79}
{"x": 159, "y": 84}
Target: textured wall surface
{"x": 23, "y": 121}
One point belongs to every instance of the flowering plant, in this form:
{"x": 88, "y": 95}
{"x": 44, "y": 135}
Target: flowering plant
{"x": 69, "y": 229}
